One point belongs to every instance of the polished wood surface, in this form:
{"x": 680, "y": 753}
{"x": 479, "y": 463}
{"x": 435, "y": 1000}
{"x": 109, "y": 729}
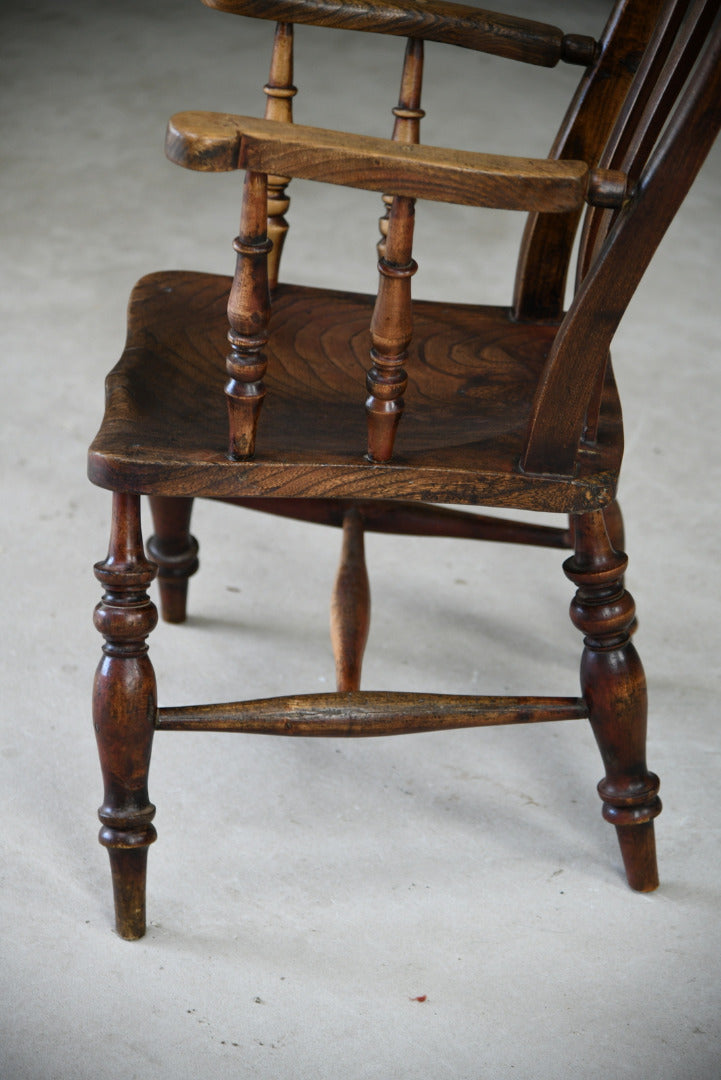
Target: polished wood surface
{"x": 222, "y": 142}
{"x": 379, "y": 410}
{"x": 472, "y": 376}
{"x": 434, "y": 20}
{"x": 363, "y": 715}
{"x": 545, "y": 255}
{"x": 124, "y": 711}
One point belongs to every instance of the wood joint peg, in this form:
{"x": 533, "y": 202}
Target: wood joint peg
{"x": 608, "y": 188}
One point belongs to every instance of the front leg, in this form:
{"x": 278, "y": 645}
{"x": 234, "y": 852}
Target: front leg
{"x": 614, "y": 687}
{"x": 124, "y": 712}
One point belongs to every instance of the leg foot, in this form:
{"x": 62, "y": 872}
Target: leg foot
{"x": 614, "y": 687}
{"x": 638, "y": 850}
{"x": 175, "y": 551}
{"x": 128, "y": 868}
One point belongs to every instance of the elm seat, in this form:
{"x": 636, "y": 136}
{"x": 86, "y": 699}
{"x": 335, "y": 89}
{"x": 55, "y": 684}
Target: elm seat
{"x": 394, "y": 414}
{"x": 472, "y": 374}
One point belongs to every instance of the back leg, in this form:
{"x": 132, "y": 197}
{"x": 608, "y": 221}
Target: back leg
{"x": 175, "y": 551}
{"x": 614, "y": 687}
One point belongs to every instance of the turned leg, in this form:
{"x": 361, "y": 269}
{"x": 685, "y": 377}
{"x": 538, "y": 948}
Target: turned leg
{"x": 175, "y": 551}
{"x": 614, "y": 687}
{"x": 614, "y": 525}
{"x": 124, "y": 712}
{"x": 613, "y": 518}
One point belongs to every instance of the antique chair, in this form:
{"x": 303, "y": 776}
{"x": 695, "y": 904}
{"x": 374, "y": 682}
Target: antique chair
{"x": 481, "y": 406}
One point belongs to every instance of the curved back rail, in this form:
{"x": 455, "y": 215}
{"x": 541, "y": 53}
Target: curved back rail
{"x": 547, "y": 244}
{"x": 675, "y": 44}
{"x": 571, "y": 375}
{"x": 434, "y": 20}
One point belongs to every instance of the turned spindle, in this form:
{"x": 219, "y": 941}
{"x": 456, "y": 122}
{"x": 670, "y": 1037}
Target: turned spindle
{"x": 350, "y": 606}
{"x": 248, "y": 314}
{"x": 391, "y": 332}
{"x": 279, "y": 106}
{"x": 124, "y": 712}
{"x": 614, "y": 688}
{"x": 408, "y": 115}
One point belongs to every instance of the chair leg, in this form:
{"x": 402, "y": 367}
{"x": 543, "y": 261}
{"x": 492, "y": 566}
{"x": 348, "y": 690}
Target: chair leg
{"x": 614, "y": 687}
{"x": 614, "y": 525}
{"x": 175, "y": 551}
{"x": 124, "y": 712}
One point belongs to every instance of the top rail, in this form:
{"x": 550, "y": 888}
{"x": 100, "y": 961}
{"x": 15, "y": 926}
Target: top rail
{"x": 435, "y": 20}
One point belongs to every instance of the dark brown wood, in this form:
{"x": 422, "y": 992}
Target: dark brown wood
{"x": 358, "y": 715}
{"x": 666, "y": 64}
{"x": 248, "y": 314}
{"x": 435, "y": 20}
{"x": 503, "y": 407}
{"x": 176, "y": 553}
{"x": 124, "y": 712}
{"x": 414, "y": 519}
{"x": 581, "y": 347}
{"x": 548, "y": 238}
{"x": 279, "y": 92}
{"x": 222, "y": 142}
{"x": 472, "y": 375}
{"x": 350, "y": 605}
{"x": 614, "y": 687}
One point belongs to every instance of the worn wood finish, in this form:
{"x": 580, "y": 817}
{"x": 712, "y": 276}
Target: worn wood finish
{"x": 248, "y": 314}
{"x": 666, "y": 64}
{"x": 501, "y": 407}
{"x": 124, "y": 711}
{"x": 350, "y": 605}
{"x": 614, "y": 687}
{"x": 581, "y": 347}
{"x": 391, "y": 332}
{"x": 435, "y": 20}
{"x": 362, "y": 715}
{"x": 222, "y": 142}
{"x": 472, "y": 375}
{"x": 279, "y": 91}
{"x": 548, "y": 239}
{"x": 415, "y": 519}
{"x": 175, "y": 551}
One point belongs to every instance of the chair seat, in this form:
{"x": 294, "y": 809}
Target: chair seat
{"x": 472, "y": 374}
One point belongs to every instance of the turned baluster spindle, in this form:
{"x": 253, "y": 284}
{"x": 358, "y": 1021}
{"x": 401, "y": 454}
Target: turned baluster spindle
{"x": 391, "y": 332}
{"x": 248, "y": 314}
{"x": 408, "y": 115}
{"x": 614, "y": 688}
{"x": 350, "y": 606}
{"x": 279, "y": 106}
{"x": 124, "y": 711}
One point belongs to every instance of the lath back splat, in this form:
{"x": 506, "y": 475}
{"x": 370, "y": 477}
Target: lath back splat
{"x": 544, "y": 433}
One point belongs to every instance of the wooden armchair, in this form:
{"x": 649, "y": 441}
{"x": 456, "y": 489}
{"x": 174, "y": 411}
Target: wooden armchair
{"x": 469, "y": 405}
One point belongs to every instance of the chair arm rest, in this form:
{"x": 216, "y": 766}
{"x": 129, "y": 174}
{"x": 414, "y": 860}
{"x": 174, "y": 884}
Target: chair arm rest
{"x": 221, "y": 142}
{"x": 436, "y": 20}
